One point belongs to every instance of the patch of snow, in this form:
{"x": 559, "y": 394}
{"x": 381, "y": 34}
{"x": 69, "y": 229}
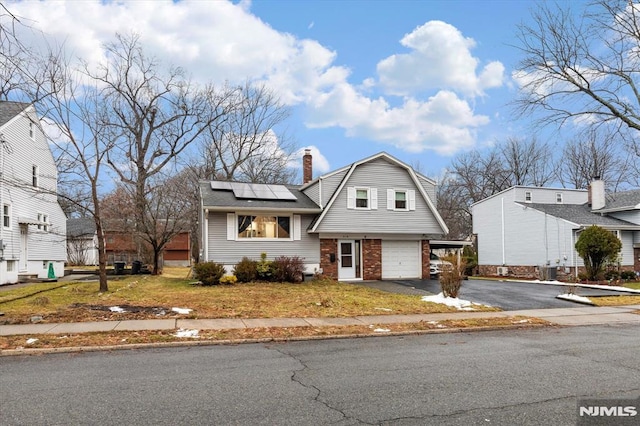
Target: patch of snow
{"x": 384, "y": 309}
{"x": 574, "y": 298}
{"x": 187, "y": 333}
{"x": 462, "y": 305}
{"x": 381, "y": 330}
{"x": 521, "y": 321}
{"x": 432, "y": 322}
{"x": 183, "y": 311}
{"x": 117, "y": 309}
{"x": 31, "y": 340}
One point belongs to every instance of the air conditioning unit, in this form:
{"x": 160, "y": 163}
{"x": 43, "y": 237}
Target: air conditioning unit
{"x": 503, "y": 270}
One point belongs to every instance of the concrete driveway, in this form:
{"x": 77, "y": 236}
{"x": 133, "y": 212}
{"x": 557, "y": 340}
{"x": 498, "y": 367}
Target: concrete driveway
{"x": 507, "y": 295}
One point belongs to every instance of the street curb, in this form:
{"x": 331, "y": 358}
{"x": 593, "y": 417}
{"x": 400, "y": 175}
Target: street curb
{"x": 159, "y": 345}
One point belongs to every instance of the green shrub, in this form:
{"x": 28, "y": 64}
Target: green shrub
{"x": 611, "y": 275}
{"x": 208, "y": 273}
{"x": 288, "y": 269}
{"x": 246, "y": 270}
{"x": 628, "y": 275}
{"x": 264, "y": 268}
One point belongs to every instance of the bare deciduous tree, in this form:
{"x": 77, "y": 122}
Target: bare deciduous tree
{"x": 582, "y": 66}
{"x": 593, "y": 154}
{"x": 153, "y": 115}
{"x": 247, "y": 145}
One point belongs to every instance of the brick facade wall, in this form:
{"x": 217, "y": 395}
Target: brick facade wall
{"x": 328, "y": 247}
{"x": 426, "y": 260}
{"x": 372, "y": 259}
{"x": 533, "y": 272}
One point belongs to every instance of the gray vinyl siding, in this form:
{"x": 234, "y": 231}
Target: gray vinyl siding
{"x": 313, "y": 192}
{"x": 627, "y": 247}
{"x": 21, "y": 154}
{"x": 430, "y": 189}
{"x": 228, "y": 252}
{"x": 632, "y": 216}
{"x": 548, "y": 195}
{"x": 330, "y": 185}
{"x": 382, "y": 175}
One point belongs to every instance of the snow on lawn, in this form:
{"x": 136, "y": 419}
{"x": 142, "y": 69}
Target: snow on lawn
{"x": 31, "y": 340}
{"x": 461, "y": 305}
{"x": 183, "y": 311}
{"x": 575, "y": 298}
{"x": 381, "y": 330}
{"x": 187, "y": 333}
{"x": 117, "y": 309}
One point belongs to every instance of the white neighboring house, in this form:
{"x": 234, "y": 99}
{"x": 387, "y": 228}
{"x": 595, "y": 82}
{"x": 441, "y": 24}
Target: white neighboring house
{"x": 33, "y": 229}
{"x": 523, "y": 229}
{"x": 82, "y": 241}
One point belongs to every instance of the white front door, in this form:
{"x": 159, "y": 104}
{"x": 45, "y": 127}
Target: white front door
{"x": 346, "y": 259}
{"x": 23, "y": 248}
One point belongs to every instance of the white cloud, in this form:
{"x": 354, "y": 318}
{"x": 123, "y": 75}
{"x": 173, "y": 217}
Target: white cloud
{"x": 223, "y": 42}
{"x": 440, "y": 57}
{"x": 319, "y": 161}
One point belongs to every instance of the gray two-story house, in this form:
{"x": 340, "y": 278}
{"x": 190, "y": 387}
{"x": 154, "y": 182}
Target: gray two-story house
{"x": 372, "y": 219}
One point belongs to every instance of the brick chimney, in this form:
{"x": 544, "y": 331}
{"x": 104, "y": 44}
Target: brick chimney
{"x": 307, "y": 166}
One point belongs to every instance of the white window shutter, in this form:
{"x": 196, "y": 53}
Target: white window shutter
{"x": 351, "y": 197}
{"x": 374, "y": 198}
{"x": 297, "y": 227}
{"x": 231, "y": 226}
{"x": 412, "y": 199}
{"x": 391, "y": 199}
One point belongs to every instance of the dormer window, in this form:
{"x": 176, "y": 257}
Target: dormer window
{"x": 559, "y": 197}
{"x": 527, "y": 196}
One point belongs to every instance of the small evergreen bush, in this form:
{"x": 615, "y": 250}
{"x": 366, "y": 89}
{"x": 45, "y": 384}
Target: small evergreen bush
{"x": 208, "y": 273}
{"x": 246, "y": 270}
{"x": 288, "y": 269}
{"x": 264, "y": 268}
{"x": 628, "y": 275}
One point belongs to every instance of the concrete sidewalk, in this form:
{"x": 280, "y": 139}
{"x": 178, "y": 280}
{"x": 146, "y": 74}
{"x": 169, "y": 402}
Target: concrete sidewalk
{"x": 581, "y": 315}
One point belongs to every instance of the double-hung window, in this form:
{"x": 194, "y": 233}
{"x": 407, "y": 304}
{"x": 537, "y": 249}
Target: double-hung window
{"x": 34, "y": 176}
{"x": 559, "y": 197}
{"x": 528, "y": 197}
{"x": 400, "y": 202}
{"x": 401, "y": 199}
{"x": 6, "y": 216}
{"x": 43, "y": 222}
{"x": 362, "y": 198}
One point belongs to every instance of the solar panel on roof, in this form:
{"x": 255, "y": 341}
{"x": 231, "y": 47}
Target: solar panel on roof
{"x": 226, "y": 186}
{"x": 282, "y": 193}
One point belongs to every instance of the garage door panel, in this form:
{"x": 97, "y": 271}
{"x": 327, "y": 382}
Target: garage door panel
{"x": 401, "y": 259}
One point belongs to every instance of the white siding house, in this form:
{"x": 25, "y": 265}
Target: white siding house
{"x": 523, "y": 229}
{"x": 33, "y": 230}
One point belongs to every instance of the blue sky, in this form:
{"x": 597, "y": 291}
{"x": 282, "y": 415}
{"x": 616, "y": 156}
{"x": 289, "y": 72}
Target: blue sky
{"x": 421, "y": 80}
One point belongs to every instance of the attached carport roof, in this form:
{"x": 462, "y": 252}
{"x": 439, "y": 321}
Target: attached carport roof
{"x": 444, "y": 244}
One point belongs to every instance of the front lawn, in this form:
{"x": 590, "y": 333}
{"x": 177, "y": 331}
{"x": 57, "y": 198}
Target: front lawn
{"x": 139, "y": 294}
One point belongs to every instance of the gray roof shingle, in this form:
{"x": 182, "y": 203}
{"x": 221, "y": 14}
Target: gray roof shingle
{"x": 224, "y": 199}
{"x": 9, "y": 109}
{"x": 580, "y": 214}
{"x": 80, "y": 227}
{"x": 622, "y": 200}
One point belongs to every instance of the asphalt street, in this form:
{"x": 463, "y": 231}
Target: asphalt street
{"x": 524, "y": 377}
{"x": 509, "y": 295}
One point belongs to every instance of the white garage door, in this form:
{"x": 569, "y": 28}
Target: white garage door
{"x": 401, "y": 259}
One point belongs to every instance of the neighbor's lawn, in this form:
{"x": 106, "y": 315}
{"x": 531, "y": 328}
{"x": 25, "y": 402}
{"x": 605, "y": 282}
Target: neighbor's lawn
{"x": 67, "y": 302}
{"x": 618, "y": 300}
